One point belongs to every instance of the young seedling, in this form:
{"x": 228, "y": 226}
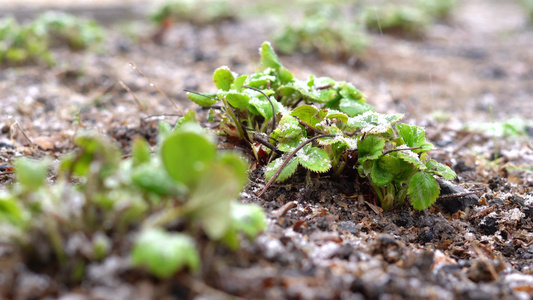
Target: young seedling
{"x": 187, "y": 181}
{"x": 319, "y": 124}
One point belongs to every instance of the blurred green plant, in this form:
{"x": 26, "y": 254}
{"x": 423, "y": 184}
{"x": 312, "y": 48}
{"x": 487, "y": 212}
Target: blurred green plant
{"x": 406, "y": 17}
{"x": 513, "y": 127}
{"x": 187, "y": 184}
{"x": 199, "y": 12}
{"x": 326, "y": 28}
{"x": 528, "y": 6}
{"x": 323, "y": 126}
{"x": 437, "y": 9}
{"x": 32, "y": 42}
{"x": 394, "y": 18}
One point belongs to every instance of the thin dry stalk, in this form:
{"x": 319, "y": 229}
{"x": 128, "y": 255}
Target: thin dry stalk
{"x": 156, "y": 87}
{"x": 33, "y": 146}
{"x": 141, "y": 106}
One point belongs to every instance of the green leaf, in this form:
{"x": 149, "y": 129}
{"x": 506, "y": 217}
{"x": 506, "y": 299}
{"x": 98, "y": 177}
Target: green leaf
{"x": 186, "y": 155}
{"x": 31, "y": 174}
{"x": 260, "y": 80}
{"x": 163, "y": 131}
{"x": 248, "y": 218}
{"x": 307, "y": 114}
{"x": 263, "y": 107}
{"x": 410, "y": 157}
{"x": 353, "y": 108}
{"x": 437, "y": 168}
{"x": 414, "y": 136}
{"x": 290, "y": 94}
{"x": 373, "y": 122}
{"x": 101, "y": 245}
{"x": 234, "y": 162}
{"x": 314, "y": 159}
{"x": 204, "y": 100}
{"x": 153, "y": 178}
{"x": 288, "y": 128}
{"x": 340, "y": 140}
{"x": 11, "y": 211}
{"x": 423, "y": 190}
{"x": 288, "y": 145}
{"x": 231, "y": 239}
{"x": 287, "y": 172}
{"x": 238, "y": 83}
{"x": 164, "y": 253}
{"x": 384, "y": 169}
{"x": 348, "y": 91}
{"x": 371, "y": 147}
{"x": 96, "y": 148}
{"x": 223, "y": 78}
{"x": 334, "y": 114}
{"x": 285, "y": 76}
{"x": 140, "y": 152}
{"x": 211, "y": 200}
{"x": 269, "y": 59}
{"x": 406, "y": 171}
{"x": 189, "y": 117}
{"x": 237, "y": 100}
{"x": 321, "y": 89}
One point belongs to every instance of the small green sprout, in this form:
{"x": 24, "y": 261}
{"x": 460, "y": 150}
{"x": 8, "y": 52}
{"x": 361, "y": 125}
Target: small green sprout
{"x": 164, "y": 253}
{"x": 187, "y": 181}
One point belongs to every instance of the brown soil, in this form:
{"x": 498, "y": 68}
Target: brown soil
{"x": 325, "y": 239}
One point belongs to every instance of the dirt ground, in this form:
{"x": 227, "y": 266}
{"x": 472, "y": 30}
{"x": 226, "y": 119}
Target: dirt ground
{"x": 323, "y": 241}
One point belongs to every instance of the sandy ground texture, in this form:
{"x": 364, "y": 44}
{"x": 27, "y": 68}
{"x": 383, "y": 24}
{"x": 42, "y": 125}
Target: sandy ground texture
{"x": 322, "y": 241}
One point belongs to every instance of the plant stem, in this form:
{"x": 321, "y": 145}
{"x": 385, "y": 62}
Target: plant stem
{"x": 402, "y": 194}
{"x": 256, "y": 137}
{"x": 400, "y": 149}
{"x": 55, "y": 240}
{"x": 495, "y": 140}
{"x": 289, "y": 157}
{"x": 163, "y": 217}
{"x": 199, "y": 94}
{"x": 234, "y": 118}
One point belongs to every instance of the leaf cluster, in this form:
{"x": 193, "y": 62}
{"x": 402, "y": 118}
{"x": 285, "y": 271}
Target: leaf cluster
{"x": 32, "y": 42}
{"x": 320, "y": 124}
{"x": 186, "y": 184}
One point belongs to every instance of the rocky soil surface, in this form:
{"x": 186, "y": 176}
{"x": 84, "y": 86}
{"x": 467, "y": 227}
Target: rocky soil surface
{"x": 325, "y": 239}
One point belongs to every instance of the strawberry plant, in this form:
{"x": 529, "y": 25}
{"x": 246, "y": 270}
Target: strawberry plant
{"x": 130, "y": 207}
{"x": 321, "y": 125}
